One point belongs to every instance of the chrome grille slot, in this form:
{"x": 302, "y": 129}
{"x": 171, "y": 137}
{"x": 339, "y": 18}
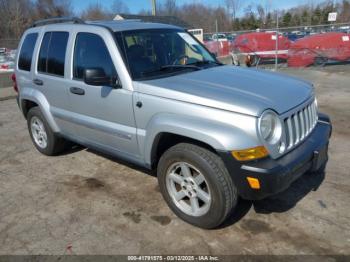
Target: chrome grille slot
{"x": 298, "y": 125}
{"x": 297, "y": 128}
{"x": 308, "y": 123}
{"x": 290, "y": 135}
{"x": 310, "y": 117}
{"x": 302, "y": 124}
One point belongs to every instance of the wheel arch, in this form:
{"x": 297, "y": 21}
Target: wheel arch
{"x": 164, "y": 140}
{"x": 170, "y": 129}
{"x": 31, "y": 97}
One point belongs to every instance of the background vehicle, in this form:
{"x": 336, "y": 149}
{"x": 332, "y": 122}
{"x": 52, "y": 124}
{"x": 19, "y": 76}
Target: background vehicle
{"x": 319, "y": 49}
{"x": 219, "y": 37}
{"x": 11, "y": 54}
{"x": 207, "y": 38}
{"x": 6, "y": 63}
{"x": 152, "y": 94}
{"x": 295, "y": 35}
{"x": 260, "y": 46}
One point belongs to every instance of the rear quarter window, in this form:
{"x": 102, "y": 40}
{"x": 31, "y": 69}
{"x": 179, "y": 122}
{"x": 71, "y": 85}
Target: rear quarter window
{"x": 27, "y": 50}
{"x": 52, "y": 53}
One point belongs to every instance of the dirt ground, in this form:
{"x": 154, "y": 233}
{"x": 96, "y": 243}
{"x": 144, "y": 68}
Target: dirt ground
{"x": 85, "y": 203}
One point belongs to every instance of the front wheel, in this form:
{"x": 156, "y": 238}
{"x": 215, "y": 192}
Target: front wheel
{"x": 196, "y": 185}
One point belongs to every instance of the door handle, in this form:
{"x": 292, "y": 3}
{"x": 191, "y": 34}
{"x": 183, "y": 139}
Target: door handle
{"x": 38, "y": 82}
{"x": 77, "y": 91}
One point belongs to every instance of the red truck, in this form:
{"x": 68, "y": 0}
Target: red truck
{"x": 260, "y": 46}
{"x": 319, "y": 49}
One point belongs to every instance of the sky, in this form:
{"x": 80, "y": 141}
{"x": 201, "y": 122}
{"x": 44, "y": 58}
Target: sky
{"x": 137, "y": 5}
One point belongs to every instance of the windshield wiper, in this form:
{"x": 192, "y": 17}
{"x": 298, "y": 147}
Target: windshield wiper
{"x": 163, "y": 68}
{"x": 205, "y": 62}
{"x": 181, "y": 66}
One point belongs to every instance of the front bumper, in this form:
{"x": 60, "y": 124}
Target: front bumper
{"x": 276, "y": 175}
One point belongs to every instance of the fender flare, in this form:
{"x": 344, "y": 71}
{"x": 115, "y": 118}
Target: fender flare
{"x": 38, "y": 97}
{"x": 218, "y": 135}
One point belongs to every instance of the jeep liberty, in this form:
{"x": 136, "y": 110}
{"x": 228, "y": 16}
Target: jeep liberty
{"x": 153, "y": 95}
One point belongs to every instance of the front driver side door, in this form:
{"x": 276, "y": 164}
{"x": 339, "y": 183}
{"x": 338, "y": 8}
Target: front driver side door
{"x": 103, "y": 116}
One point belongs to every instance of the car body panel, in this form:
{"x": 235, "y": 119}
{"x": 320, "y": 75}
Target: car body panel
{"x": 220, "y": 129}
{"x": 110, "y": 122}
{"x": 232, "y": 88}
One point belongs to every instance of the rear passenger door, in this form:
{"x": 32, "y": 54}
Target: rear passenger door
{"x": 103, "y": 115}
{"x": 49, "y": 77}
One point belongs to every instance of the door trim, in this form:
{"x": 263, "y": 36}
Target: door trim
{"x": 121, "y": 131}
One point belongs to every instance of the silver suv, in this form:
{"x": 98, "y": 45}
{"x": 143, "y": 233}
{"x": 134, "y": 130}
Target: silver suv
{"x": 153, "y": 95}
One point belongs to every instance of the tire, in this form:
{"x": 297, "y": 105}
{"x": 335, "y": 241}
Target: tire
{"x": 54, "y": 144}
{"x": 320, "y": 61}
{"x": 218, "y": 185}
{"x": 254, "y": 60}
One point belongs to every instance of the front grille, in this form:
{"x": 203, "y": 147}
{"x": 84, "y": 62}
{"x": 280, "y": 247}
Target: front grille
{"x": 300, "y": 124}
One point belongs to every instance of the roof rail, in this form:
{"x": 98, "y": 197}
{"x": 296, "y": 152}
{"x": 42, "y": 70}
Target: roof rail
{"x": 56, "y": 20}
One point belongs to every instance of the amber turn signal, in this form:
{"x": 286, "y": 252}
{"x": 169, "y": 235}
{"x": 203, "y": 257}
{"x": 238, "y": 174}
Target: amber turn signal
{"x": 253, "y": 182}
{"x": 250, "y": 153}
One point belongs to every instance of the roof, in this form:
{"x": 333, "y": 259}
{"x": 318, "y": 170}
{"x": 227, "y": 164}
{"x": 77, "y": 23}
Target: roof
{"x": 124, "y": 25}
{"x": 114, "y": 25}
{"x": 170, "y": 20}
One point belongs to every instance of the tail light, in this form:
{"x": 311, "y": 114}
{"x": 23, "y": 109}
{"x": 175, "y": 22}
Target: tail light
{"x": 13, "y": 77}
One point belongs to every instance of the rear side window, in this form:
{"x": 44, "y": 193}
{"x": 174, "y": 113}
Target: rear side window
{"x": 43, "y": 53}
{"x": 90, "y": 52}
{"x": 52, "y": 53}
{"x": 26, "y": 54}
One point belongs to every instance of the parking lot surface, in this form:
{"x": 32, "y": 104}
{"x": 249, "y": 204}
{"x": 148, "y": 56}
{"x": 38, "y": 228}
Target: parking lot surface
{"x": 83, "y": 202}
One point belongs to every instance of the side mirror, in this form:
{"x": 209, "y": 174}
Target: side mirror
{"x": 97, "y": 77}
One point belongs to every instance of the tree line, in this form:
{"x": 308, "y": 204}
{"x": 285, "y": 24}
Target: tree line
{"x": 233, "y": 15}
{"x": 18, "y": 15}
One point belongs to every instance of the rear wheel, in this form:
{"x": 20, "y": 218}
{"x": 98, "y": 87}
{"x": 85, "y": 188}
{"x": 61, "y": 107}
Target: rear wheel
{"x": 44, "y": 139}
{"x": 196, "y": 185}
{"x": 320, "y": 61}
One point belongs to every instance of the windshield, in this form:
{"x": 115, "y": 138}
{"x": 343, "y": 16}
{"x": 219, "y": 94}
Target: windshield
{"x": 155, "y": 53}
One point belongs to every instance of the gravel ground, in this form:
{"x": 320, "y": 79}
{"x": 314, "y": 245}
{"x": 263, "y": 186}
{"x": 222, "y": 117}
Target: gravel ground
{"x": 85, "y": 203}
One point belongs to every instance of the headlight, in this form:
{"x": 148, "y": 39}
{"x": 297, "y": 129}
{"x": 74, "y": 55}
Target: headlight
{"x": 270, "y": 127}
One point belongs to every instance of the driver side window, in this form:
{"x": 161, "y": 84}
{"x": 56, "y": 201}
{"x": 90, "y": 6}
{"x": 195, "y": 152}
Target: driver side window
{"x": 90, "y": 51}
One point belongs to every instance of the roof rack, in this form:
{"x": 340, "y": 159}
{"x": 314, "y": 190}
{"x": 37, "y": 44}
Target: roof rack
{"x": 56, "y": 20}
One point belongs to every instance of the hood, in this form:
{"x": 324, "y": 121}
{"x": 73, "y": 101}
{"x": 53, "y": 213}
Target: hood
{"x": 246, "y": 91}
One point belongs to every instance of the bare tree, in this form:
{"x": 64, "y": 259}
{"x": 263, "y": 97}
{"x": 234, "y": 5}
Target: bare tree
{"x": 15, "y": 16}
{"x": 95, "y": 12}
{"x": 261, "y": 14}
{"x": 198, "y": 15}
{"x": 52, "y": 8}
{"x": 169, "y": 7}
{"x": 267, "y": 7}
{"x": 233, "y": 7}
{"x": 119, "y": 7}
{"x": 345, "y": 11}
